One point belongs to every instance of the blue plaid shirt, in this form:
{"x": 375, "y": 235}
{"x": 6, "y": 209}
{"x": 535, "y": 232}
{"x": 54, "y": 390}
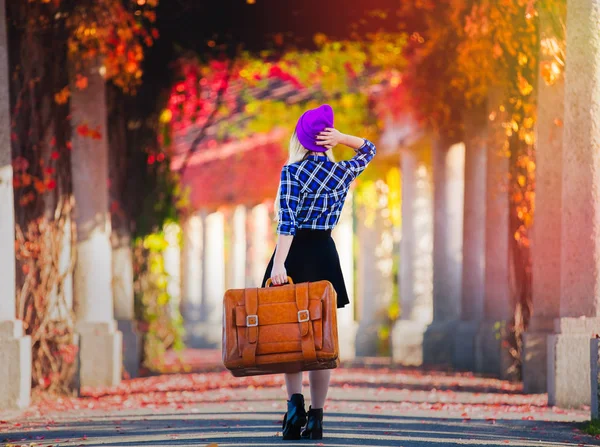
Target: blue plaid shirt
{"x": 313, "y": 190}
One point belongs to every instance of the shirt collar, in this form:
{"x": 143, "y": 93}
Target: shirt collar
{"x": 317, "y": 157}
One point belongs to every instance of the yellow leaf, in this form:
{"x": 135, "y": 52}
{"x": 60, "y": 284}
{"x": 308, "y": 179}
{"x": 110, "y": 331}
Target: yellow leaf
{"x": 524, "y": 86}
{"x": 521, "y": 180}
{"x": 165, "y": 116}
{"x": 384, "y": 333}
{"x": 528, "y": 123}
{"x": 163, "y": 299}
{"x": 522, "y": 59}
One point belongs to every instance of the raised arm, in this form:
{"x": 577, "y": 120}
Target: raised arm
{"x": 365, "y": 150}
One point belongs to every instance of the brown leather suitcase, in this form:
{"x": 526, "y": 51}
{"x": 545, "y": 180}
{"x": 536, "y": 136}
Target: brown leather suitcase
{"x": 282, "y": 329}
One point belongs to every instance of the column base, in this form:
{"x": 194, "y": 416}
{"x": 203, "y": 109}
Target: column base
{"x": 132, "y": 347}
{"x": 347, "y": 339}
{"x": 464, "y": 346}
{"x": 190, "y": 311}
{"x": 595, "y": 377}
{"x": 438, "y": 340}
{"x": 15, "y": 366}
{"x": 535, "y": 355}
{"x": 100, "y": 353}
{"x": 569, "y": 382}
{"x": 204, "y": 335}
{"x": 407, "y": 342}
{"x": 491, "y": 357}
{"x": 367, "y": 340}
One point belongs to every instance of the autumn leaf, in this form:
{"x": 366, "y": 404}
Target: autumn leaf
{"x": 83, "y": 130}
{"x": 63, "y": 96}
{"x": 20, "y": 164}
{"x": 81, "y": 82}
{"x": 95, "y": 134}
{"x": 39, "y": 186}
{"x": 26, "y": 179}
{"x": 150, "y": 15}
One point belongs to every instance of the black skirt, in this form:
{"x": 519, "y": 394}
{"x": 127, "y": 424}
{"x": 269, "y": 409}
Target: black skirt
{"x": 313, "y": 257}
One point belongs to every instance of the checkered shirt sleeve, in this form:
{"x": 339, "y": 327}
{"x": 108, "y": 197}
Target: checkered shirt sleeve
{"x": 359, "y": 162}
{"x": 289, "y": 197}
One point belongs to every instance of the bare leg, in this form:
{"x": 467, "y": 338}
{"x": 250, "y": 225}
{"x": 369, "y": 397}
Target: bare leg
{"x": 293, "y": 383}
{"x": 319, "y": 385}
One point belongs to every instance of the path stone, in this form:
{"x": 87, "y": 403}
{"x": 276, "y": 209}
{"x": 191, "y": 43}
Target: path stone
{"x": 368, "y": 406}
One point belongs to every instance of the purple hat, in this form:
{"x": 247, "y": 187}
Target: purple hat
{"x": 311, "y": 123}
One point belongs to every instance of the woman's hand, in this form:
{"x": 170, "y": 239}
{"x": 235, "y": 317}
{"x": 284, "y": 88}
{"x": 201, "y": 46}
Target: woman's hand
{"x": 330, "y": 138}
{"x": 278, "y": 274}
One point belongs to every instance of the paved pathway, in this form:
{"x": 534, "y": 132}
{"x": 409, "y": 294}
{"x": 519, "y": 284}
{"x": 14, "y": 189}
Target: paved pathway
{"x": 368, "y": 406}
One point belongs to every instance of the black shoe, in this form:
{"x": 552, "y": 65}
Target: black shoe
{"x": 295, "y": 418}
{"x": 314, "y": 426}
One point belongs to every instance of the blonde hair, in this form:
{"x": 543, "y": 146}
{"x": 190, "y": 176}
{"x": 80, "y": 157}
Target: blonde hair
{"x": 297, "y": 153}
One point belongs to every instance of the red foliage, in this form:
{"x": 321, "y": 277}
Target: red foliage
{"x": 194, "y": 98}
{"x": 248, "y": 177}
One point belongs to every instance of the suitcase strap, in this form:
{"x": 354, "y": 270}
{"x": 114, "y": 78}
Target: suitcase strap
{"x": 251, "y": 301}
{"x": 306, "y": 329}
{"x": 309, "y": 352}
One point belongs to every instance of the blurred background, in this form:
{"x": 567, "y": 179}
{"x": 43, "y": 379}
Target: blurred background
{"x": 146, "y": 142}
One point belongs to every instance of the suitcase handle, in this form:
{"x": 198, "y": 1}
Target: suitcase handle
{"x": 268, "y": 283}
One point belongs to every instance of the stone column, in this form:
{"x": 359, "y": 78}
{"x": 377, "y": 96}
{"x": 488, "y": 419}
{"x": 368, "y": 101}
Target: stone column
{"x": 568, "y": 348}
{"x": 473, "y": 270}
{"x": 416, "y": 263}
{"x": 208, "y": 331}
{"x": 375, "y": 271}
{"x": 122, "y": 288}
{"x": 236, "y": 278}
{"x": 343, "y": 235}
{"x": 490, "y": 356}
{"x": 100, "y": 341}
{"x": 15, "y": 347}
{"x": 191, "y": 278}
{"x": 259, "y": 251}
{"x": 546, "y": 225}
{"x": 448, "y": 197}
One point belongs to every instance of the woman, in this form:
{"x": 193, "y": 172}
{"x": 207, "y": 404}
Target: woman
{"x": 309, "y": 202}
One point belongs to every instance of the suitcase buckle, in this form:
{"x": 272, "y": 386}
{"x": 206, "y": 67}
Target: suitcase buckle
{"x": 251, "y": 320}
{"x": 303, "y": 316}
